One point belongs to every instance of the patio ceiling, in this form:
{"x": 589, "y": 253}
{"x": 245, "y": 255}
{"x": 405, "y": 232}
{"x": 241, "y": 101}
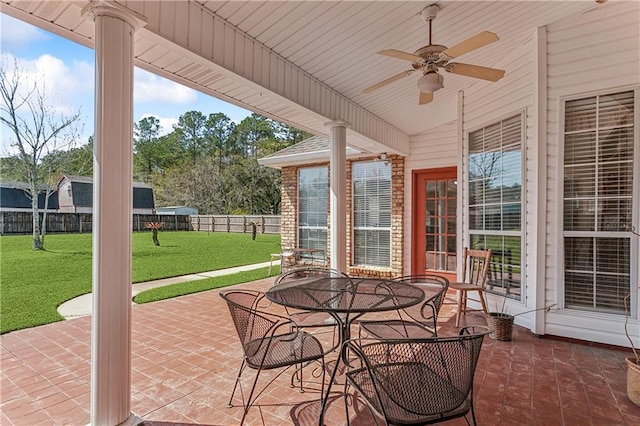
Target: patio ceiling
{"x": 306, "y": 62}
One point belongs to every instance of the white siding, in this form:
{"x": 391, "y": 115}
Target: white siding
{"x": 433, "y": 149}
{"x": 487, "y": 103}
{"x": 598, "y": 51}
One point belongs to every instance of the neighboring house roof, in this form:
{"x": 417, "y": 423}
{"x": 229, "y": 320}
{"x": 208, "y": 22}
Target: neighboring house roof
{"x": 143, "y": 198}
{"x": 13, "y": 196}
{"x": 313, "y": 150}
{"x": 82, "y": 190}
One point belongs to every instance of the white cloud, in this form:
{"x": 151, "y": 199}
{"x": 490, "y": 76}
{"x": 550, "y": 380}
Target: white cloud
{"x": 16, "y": 34}
{"x": 63, "y": 85}
{"x": 149, "y": 87}
{"x": 67, "y": 89}
{"x": 166, "y": 123}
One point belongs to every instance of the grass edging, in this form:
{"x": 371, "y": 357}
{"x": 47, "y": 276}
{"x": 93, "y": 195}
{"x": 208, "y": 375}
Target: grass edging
{"x": 190, "y": 287}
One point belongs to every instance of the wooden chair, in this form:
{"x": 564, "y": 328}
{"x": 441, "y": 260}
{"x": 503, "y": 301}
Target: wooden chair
{"x": 474, "y": 279}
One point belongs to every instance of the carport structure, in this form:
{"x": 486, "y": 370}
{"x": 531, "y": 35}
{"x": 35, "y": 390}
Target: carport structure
{"x": 306, "y": 63}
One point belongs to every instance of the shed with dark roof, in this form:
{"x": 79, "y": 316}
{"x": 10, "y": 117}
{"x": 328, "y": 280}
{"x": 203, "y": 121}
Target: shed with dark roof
{"x": 14, "y": 197}
{"x": 75, "y": 195}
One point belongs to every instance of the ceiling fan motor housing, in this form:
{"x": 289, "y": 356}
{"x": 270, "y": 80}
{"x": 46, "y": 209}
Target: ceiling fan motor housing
{"x": 431, "y": 54}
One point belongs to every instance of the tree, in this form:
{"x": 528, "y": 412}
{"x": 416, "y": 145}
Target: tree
{"x": 252, "y": 131}
{"x": 190, "y": 130}
{"x": 37, "y": 130}
{"x": 218, "y": 131}
{"x": 145, "y": 135}
{"x": 75, "y": 161}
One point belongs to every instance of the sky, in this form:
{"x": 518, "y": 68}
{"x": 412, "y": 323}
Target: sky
{"x": 67, "y": 69}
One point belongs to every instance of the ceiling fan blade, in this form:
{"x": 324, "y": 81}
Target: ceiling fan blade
{"x": 398, "y": 54}
{"x": 425, "y": 98}
{"x": 472, "y": 43}
{"x": 387, "y": 81}
{"x": 475, "y": 71}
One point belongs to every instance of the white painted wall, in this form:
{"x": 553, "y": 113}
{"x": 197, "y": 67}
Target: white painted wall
{"x": 433, "y": 149}
{"x": 598, "y": 51}
{"x": 486, "y": 103}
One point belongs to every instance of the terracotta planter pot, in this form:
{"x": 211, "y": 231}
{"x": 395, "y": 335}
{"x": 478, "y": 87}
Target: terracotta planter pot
{"x": 501, "y": 324}
{"x": 633, "y": 380}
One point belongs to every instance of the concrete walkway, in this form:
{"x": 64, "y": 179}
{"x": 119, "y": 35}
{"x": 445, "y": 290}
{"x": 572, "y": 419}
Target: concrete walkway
{"x": 82, "y": 305}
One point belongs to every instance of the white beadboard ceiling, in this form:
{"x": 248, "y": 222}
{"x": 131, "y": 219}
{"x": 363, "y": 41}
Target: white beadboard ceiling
{"x": 332, "y": 44}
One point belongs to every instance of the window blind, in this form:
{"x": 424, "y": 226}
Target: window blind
{"x": 313, "y": 199}
{"x": 372, "y": 213}
{"x": 598, "y": 199}
{"x": 495, "y": 200}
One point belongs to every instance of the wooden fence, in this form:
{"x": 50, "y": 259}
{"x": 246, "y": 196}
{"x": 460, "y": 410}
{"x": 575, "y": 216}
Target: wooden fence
{"x": 21, "y": 222}
{"x": 223, "y": 223}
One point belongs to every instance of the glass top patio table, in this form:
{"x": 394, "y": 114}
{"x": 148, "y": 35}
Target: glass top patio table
{"x": 345, "y": 295}
{"x": 345, "y": 299}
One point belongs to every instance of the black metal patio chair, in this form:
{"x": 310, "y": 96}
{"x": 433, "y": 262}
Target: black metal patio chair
{"x": 268, "y": 341}
{"x": 415, "y": 381}
{"x": 414, "y": 322}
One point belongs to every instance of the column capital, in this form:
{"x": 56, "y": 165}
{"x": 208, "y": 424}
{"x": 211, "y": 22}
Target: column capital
{"x": 110, "y": 8}
{"x": 337, "y": 123}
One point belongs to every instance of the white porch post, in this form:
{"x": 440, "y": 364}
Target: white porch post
{"x": 338, "y": 197}
{"x": 112, "y": 214}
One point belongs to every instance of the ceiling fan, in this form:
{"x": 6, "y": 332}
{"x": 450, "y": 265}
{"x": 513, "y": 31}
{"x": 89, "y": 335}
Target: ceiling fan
{"x": 433, "y": 56}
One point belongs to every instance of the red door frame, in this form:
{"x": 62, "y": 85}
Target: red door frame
{"x": 418, "y": 178}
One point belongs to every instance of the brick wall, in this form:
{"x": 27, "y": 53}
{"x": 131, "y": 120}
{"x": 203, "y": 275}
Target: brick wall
{"x": 289, "y": 217}
{"x": 288, "y": 205}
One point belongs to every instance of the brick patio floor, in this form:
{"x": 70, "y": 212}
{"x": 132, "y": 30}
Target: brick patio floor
{"x": 185, "y": 357}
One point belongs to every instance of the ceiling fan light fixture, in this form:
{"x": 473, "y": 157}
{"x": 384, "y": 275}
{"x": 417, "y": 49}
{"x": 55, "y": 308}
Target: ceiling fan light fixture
{"x": 430, "y": 82}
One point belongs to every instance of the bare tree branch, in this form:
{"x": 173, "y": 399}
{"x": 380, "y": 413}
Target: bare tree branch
{"x": 37, "y": 131}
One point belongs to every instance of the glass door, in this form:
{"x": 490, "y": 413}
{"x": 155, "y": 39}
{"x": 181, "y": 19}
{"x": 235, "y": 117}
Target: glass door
{"x": 434, "y": 221}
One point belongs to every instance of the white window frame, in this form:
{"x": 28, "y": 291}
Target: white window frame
{"x": 370, "y": 228}
{"x": 523, "y": 201}
{"x": 635, "y": 220}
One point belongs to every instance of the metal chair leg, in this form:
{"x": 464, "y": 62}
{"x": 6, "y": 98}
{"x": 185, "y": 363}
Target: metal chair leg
{"x": 229, "y": 404}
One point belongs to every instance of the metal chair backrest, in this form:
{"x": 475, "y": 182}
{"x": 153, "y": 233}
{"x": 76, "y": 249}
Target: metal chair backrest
{"x": 475, "y": 266}
{"x": 423, "y": 377}
{"x": 309, "y": 272}
{"x": 251, "y": 326}
{"x": 430, "y": 283}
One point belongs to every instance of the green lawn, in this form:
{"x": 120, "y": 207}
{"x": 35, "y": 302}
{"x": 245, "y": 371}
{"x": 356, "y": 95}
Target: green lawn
{"x": 34, "y": 283}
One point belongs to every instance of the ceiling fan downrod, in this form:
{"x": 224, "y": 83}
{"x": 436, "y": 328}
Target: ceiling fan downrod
{"x": 428, "y": 14}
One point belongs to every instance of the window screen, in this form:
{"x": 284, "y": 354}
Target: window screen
{"x": 372, "y": 213}
{"x": 598, "y": 198}
{"x": 495, "y": 201}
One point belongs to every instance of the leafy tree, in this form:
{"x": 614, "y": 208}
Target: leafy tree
{"x": 218, "y": 131}
{"x": 11, "y": 168}
{"x": 256, "y": 188}
{"x": 153, "y": 154}
{"x": 193, "y": 184}
{"x": 191, "y": 133}
{"x": 36, "y": 130}
{"x": 252, "y": 131}
{"x": 75, "y": 161}
{"x": 145, "y": 137}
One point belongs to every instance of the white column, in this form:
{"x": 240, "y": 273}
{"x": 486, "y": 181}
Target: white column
{"x": 338, "y": 194}
{"x": 112, "y": 213}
